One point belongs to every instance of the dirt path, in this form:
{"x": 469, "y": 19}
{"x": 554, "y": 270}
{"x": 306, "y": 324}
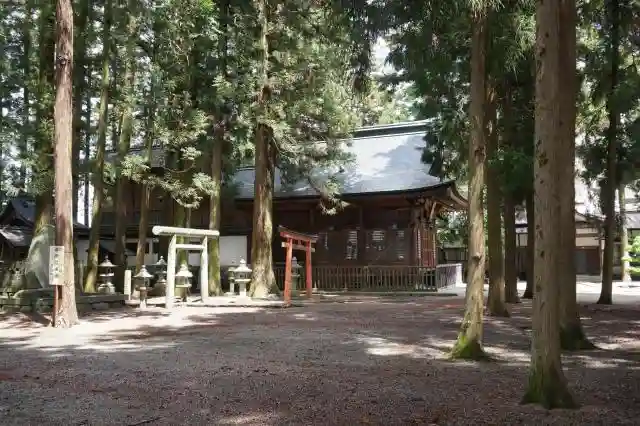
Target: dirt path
{"x": 363, "y": 361}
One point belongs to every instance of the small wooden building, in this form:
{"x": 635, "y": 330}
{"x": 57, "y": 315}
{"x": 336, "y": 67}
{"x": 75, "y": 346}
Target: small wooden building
{"x": 16, "y": 231}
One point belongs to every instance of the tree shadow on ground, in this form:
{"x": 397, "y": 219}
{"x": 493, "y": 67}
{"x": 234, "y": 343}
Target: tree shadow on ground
{"x": 383, "y": 361}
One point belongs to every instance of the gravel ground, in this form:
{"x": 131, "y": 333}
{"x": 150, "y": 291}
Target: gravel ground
{"x": 353, "y": 361}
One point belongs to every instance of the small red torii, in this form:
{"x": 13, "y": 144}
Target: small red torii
{"x": 296, "y": 241}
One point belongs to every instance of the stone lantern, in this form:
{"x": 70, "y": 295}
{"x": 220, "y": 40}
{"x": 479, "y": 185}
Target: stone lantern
{"x": 160, "y": 286}
{"x": 142, "y": 284}
{"x": 183, "y": 280}
{"x": 295, "y": 275}
{"x": 106, "y": 286}
{"x": 231, "y": 273}
{"x": 242, "y": 276}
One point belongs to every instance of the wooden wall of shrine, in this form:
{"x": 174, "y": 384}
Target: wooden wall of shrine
{"x": 373, "y": 230}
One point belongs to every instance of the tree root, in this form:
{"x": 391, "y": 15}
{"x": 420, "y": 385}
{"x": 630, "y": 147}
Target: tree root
{"x": 548, "y": 389}
{"x": 469, "y": 349}
{"x": 572, "y": 338}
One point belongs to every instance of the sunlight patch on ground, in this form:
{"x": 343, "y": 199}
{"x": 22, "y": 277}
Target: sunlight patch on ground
{"x": 305, "y": 316}
{"x": 249, "y": 419}
{"x": 384, "y": 347}
{"x": 591, "y": 362}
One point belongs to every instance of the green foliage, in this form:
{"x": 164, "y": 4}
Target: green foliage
{"x": 595, "y": 53}
{"x": 634, "y": 256}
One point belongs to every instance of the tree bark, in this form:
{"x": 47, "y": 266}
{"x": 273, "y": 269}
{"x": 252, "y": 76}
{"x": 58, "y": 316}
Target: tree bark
{"x": 510, "y": 250}
{"x": 98, "y": 174}
{"x": 44, "y": 117}
{"x": 469, "y": 342}
{"x": 547, "y": 385}
{"x": 496, "y": 305}
{"x": 625, "y": 266}
{"x": 608, "y": 192}
{"x": 572, "y": 336}
{"x": 531, "y": 250}
{"x": 262, "y": 276}
{"x": 67, "y": 314}
{"x": 124, "y": 144}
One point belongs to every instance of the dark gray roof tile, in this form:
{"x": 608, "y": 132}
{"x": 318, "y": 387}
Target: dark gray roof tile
{"x": 381, "y": 163}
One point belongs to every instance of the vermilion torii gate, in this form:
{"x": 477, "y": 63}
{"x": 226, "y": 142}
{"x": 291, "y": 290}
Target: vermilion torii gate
{"x": 296, "y": 241}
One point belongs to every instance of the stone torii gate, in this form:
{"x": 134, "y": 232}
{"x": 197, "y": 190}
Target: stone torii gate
{"x": 174, "y": 246}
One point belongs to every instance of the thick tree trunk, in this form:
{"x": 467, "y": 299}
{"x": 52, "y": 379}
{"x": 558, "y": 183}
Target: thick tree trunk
{"x": 44, "y": 117}
{"x": 262, "y": 277}
{"x": 215, "y": 287}
{"x": 624, "y": 236}
{"x": 547, "y": 385}
{"x": 608, "y": 187}
{"x": 67, "y": 314}
{"x": 572, "y": 336}
{"x": 496, "y": 305}
{"x": 510, "y": 250}
{"x": 98, "y": 174}
{"x": 531, "y": 250}
{"x": 124, "y": 143}
{"x": 469, "y": 342}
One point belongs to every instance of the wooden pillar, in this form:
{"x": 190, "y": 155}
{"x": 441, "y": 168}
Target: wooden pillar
{"x": 287, "y": 272}
{"x": 308, "y": 270}
{"x": 415, "y": 237}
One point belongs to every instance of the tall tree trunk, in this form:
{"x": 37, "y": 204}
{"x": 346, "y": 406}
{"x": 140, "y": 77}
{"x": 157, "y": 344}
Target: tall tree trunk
{"x": 624, "y": 235}
{"x": 509, "y": 206}
{"x": 215, "y": 286}
{"x": 608, "y": 191}
{"x": 547, "y": 385}
{"x": 79, "y": 89}
{"x": 124, "y": 143}
{"x": 87, "y": 153}
{"x": 496, "y": 305}
{"x": 43, "y": 147}
{"x": 67, "y": 315}
{"x": 26, "y": 92}
{"x": 510, "y": 249}
{"x": 44, "y": 119}
{"x": 98, "y": 173}
{"x": 262, "y": 278}
{"x": 531, "y": 249}
{"x": 469, "y": 342}
{"x": 572, "y": 336}
{"x": 217, "y": 152}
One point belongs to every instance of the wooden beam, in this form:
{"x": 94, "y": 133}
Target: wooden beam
{"x": 185, "y": 232}
{"x": 288, "y": 233}
{"x": 297, "y": 246}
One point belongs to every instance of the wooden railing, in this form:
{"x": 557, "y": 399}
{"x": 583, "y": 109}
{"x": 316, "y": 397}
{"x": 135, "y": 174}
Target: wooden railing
{"x": 375, "y": 278}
